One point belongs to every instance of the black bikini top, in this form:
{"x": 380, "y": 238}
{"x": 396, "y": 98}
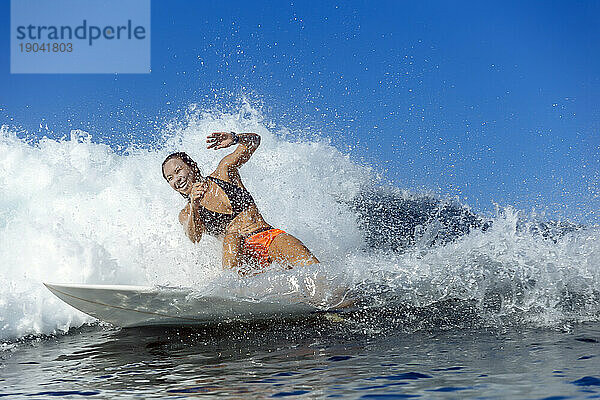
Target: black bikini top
{"x": 215, "y": 223}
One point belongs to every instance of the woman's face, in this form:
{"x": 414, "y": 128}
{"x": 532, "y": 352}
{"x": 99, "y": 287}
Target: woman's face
{"x": 179, "y": 175}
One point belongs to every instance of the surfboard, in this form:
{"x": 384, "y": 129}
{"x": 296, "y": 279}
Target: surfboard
{"x": 132, "y": 306}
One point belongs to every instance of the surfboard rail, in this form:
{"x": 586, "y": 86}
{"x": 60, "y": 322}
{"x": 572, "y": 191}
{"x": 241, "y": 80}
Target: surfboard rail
{"x": 131, "y": 305}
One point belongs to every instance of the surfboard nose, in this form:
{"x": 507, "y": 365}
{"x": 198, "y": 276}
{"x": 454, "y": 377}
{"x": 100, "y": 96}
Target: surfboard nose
{"x": 51, "y": 287}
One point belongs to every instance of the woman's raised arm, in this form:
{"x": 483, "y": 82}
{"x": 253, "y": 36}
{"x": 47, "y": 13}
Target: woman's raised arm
{"x": 248, "y": 143}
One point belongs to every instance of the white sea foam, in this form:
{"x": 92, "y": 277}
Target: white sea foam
{"x": 77, "y": 211}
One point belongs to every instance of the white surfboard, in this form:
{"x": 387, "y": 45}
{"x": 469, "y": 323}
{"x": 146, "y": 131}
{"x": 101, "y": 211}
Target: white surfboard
{"x": 129, "y": 306}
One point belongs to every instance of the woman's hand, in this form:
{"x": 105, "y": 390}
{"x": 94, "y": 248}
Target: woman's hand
{"x": 198, "y": 191}
{"x": 220, "y": 140}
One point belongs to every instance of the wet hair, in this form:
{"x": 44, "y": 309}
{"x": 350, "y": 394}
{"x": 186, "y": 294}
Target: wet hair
{"x": 187, "y": 160}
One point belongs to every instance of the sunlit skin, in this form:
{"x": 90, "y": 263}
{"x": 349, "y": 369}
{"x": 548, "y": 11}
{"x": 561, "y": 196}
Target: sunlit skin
{"x": 285, "y": 248}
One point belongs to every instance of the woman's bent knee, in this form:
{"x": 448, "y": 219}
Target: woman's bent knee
{"x": 289, "y": 250}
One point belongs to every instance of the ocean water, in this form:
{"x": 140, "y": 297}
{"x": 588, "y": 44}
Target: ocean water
{"x": 447, "y": 303}
{"x": 316, "y": 358}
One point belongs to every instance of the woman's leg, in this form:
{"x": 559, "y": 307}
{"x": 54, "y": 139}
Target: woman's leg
{"x": 286, "y": 249}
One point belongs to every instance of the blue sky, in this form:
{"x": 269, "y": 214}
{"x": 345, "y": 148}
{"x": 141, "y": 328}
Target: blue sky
{"x": 494, "y": 102}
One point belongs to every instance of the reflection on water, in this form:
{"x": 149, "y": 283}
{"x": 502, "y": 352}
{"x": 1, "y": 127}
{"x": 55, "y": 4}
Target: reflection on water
{"x": 314, "y": 358}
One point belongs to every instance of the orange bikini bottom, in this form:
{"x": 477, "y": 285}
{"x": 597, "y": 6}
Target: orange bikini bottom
{"x": 257, "y": 245}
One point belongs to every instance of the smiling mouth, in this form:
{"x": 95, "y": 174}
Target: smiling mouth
{"x": 182, "y": 185}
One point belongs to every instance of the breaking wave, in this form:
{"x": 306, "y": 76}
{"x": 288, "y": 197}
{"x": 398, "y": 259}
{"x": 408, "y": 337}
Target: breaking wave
{"x": 74, "y": 210}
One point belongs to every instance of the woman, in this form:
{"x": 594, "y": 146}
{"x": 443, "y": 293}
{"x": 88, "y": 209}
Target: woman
{"x": 220, "y": 205}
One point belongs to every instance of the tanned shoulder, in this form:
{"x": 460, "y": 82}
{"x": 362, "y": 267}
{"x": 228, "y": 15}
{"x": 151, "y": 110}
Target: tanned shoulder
{"x": 184, "y": 214}
{"x": 228, "y": 172}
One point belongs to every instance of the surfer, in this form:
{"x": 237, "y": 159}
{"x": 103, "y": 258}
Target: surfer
{"x": 220, "y": 205}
